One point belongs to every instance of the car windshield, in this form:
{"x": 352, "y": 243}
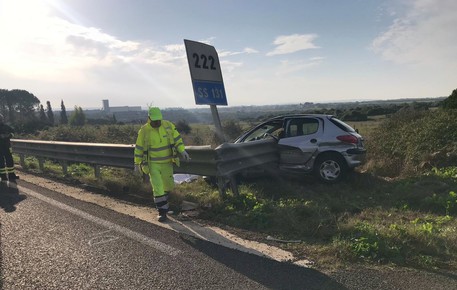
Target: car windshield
{"x": 273, "y": 128}
{"x": 343, "y": 126}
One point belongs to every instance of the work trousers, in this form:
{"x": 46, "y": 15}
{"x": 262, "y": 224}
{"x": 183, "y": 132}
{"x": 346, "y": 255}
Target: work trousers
{"x": 6, "y": 161}
{"x": 162, "y": 182}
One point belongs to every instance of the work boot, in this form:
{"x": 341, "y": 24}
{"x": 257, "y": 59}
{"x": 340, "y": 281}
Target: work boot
{"x": 12, "y": 176}
{"x": 162, "y": 215}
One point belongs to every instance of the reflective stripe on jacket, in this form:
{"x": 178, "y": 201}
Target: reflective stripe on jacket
{"x": 162, "y": 143}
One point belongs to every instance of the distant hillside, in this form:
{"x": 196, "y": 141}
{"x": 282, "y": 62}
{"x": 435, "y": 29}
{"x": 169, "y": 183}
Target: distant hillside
{"x": 257, "y": 113}
{"x": 354, "y": 111}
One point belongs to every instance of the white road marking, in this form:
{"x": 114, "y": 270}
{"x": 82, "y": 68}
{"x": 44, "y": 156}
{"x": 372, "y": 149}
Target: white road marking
{"x": 107, "y": 224}
{"x": 102, "y": 238}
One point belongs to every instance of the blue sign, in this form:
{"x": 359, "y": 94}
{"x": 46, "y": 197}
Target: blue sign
{"x": 209, "y": 93}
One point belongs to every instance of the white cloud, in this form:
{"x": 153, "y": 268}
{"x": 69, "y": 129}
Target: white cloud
{"x": 175, "y": 48}
{"x": 423, "y": 35}
{"x": 292, "y": 43}
{"x": 247, "y": 50}
{"x": 230, "y": 66}
{"x": 288, "y": 67}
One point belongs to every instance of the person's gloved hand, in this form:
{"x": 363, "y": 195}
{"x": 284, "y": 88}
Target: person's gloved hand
{"x": 185, "y": 155}
{"x": 137, "y": 169}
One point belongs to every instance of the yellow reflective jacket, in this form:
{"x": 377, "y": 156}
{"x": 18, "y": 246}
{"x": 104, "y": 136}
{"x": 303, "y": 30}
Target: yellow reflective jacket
{"x": 163, "y": 144}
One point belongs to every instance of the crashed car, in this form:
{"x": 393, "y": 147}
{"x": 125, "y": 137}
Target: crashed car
{"x": 312, "y": 143}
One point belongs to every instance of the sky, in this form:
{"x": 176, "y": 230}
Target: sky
{"x": 132, "y": 52}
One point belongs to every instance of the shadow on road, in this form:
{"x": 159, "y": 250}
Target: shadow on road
{"x": 269, "y": 273}
{"x": 9, "y": 196}
{"x": 194, "y": 229}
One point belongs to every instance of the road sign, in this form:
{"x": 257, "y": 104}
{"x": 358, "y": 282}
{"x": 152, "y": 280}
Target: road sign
{"x": 206, "y": 73}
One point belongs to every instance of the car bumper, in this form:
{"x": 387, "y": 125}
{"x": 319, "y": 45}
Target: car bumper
{"x": 355, "y": 157}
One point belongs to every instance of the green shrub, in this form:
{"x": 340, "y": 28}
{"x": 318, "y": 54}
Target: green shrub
{"x": 80, "y": 169}
{"x": 446, "y": 204}
{"x": 402, "y": 143}
{"x": 183, "y": 127}
{"x": 451, "y": 101}
{"x": 117, "y": 134}
{"x": 232, "y": 129}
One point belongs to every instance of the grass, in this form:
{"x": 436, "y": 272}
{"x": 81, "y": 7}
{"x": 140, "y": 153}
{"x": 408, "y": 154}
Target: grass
{"x": 365, "y": 128}
{"x": 370, "y": 220}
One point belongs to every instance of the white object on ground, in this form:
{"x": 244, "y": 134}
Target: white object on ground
{"x": 181, "y": 178}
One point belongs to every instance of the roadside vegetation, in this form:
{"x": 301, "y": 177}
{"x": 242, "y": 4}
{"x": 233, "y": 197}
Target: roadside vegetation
{"x": 399, "y": 209}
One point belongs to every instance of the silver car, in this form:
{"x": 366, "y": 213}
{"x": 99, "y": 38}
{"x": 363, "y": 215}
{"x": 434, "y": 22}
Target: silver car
{"x": 312, "y": 143}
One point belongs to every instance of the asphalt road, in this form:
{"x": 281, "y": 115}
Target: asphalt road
{"x": 50, "y": 241}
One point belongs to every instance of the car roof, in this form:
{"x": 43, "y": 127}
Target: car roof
{"x": 281, "y": 117}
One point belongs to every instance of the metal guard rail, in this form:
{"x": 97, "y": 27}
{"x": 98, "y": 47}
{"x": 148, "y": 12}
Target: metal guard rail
{"x": 224, "y": 162}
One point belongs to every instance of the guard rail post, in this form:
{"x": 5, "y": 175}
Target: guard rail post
{"x": 234, "y": 159}
{"x": 41, "y": 164}
{"x": 22, "y": 160}
{"x": 64, "y": 165}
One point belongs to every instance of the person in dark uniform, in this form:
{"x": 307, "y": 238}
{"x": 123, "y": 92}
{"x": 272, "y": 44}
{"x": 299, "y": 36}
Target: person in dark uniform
{"x": 7, "y": 171}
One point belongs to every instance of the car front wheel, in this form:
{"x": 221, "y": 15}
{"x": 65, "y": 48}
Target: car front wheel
{"x": 330, "y": 168}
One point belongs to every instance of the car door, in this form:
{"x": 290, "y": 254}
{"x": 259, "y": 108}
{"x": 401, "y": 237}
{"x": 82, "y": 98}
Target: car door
{"x": 300, "y": 141}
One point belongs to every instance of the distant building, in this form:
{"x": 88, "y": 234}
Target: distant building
{"x": 122, "y": 113}
{"x": 108, "y": 109}
{"x": 106, "y": 106}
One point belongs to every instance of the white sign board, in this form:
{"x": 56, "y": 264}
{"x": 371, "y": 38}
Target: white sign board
{"x": 206, "y": 73}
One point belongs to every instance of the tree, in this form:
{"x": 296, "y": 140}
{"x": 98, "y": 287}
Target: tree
{"x": 183, "y": 127}
{"x": 24, "y": 103}
{"x": 3, "y": 107}
{"x": 63, "y": 114}
{"x": 78, "y": 118}
{"x": 49, "y": 113}
{"x": 451, "y": 101}
{"x": 231, "y": 129}
{"x": 43, "y": 117}
{"x": 18, "y": 104}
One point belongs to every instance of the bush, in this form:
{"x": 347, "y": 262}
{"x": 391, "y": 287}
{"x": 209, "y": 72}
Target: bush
{"x": 183, "y": 127}
{"x": 406, "y": 140}
{"x": 354, "y": 116}
{"x": 77, "y": 118}
{"x": 231, "y": 129}
{"x": 115, "y": 134}
{"x": 29, "y": 127}
{"x": 451, "y": 101}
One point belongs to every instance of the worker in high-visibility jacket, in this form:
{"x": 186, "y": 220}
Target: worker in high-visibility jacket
{"x": 7, "y": 171}
{"x": 157, "y": 147}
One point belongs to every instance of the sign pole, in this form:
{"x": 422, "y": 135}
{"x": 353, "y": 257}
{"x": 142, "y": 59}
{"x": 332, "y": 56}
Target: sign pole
{"x": 217, "y": 123}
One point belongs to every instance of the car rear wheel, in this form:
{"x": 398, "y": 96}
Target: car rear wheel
{"x": 330, "y": 168}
